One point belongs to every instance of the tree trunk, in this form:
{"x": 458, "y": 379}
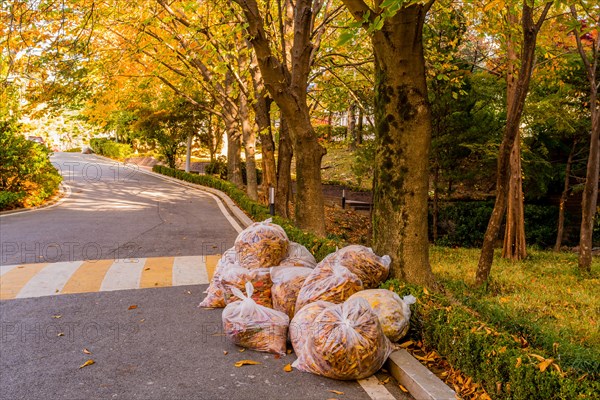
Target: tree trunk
{"x": 234, "y": 164}
{"x": 351, "y": 127}
{"x": 563, "y": 199}
{"x": 436, "y": 199}
{"x": 188, "y": 153}
{"x": 514, "y": 233}
{"x": 249, "y": 139}
{"x": 517, "y": 93}
{"x": 359, "y": 130}
{"x": 284, "y": 171}
{"x": 403, "y": 136}
{"x": 329, "y": 127}
{"x": 590, "y": 191}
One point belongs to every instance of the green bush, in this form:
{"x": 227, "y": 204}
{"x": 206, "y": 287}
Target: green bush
{"x": 491, "y": 356}
{"x": 74, "y": 150}
{"x": 25, "y": 170}
{"x": 259, "y": 212}
{"x": 109, "y": 148}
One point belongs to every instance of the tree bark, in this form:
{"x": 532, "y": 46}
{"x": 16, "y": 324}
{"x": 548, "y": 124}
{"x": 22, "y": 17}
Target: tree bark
{"x": 515, "y": 106}
{"x": 514, "y": 233}
{"x": 360, "y": 128}
{"x": 403, "y": 136}
{"x": 188, "y": 153}
{"x": 563, "y": 199}
{"x": 284, "y": 171}
{"x": 234, "y": 164}
{"x": 351, "y": 127}
{"x": 436, "y": 200}
{"x": 589, "y": 200}
{"x": 249, "y": 140}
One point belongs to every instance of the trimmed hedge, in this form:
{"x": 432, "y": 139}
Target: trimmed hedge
{"x": 490, "y": 356}
{"x": 109, "y": 148}
{"x": 318, "y": 246}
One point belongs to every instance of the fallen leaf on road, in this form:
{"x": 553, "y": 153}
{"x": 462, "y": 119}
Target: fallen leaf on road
{"x": 289, "y": 351}
{"x": 288, "y": 368}
{"x": 246, "y": 362}
{"x": 132, "y": 307}
{"x": 242, "y": 350}
{"x": 188, "y": 292}
{"x": 142, "y": 320}
{"x": 57, "y": 316}
{"x": 335, "y": 391}
{"x": 87, "y": 364}
{"x": 60, "y": 334}
{"x": 405, "y": 390}
{"x": 385, "y": 381}
{"x": 147, "y": 269}
{"x": 86, "y": 351}
{"x": 225, "y": 352}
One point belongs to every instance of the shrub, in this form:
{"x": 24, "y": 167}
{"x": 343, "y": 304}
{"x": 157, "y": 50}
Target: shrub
{"x": 25, "y": 170}
{"x": 488, "y": 355}
{"x": 109, "y": 148}
{"x": 74, "y": 150}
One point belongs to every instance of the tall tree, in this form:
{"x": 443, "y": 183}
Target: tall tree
{"x": 519, "y": 89}
{"x": 287, "y": 83}
{"x": 403, "y": 134}
{"x": 590, "y": 191}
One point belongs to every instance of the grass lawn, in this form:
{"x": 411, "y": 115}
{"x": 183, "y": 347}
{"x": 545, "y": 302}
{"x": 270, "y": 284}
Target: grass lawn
{"x": 543, "y": 300}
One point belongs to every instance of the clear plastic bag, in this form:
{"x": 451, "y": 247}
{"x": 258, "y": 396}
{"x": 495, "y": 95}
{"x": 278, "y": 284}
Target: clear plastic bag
{"x": 393, "y": 312}
{"x": 298, "y": 256}
{"x": 238, "y": 277}
{"x": 303, "y": 322}
{"x": 287, "y": 282}
{"x": 215, "y": 292}
{"x": 368, "y": 266}
{"x": 261, "y": 245}
{"x": 345, "y": 342}
{"x": 253, "y": 326}
{"x": 329, "y": 281}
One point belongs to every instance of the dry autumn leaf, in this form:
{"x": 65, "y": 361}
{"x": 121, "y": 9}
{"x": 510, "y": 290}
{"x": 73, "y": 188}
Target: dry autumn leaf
{"x": 246, "y": 362}
{"x": 407, "y": 344}
{"x": 242, "y": 350}
{"x": 287, "y": 368}
{"x": 545, "y": 364}
{"x": 385, "y": 381}
{"x": 132, "y": 307}
{"x": 225, "y": 352}
{"x": 405, "y": 390}
{"x": 425, "y": 291}
{"x": 86, "y": 351}
{"x": 87, "y": 364}
{"x": 57, "y": 316}
{"x": 519, "y": 361}
{"x": 60, "y": 334}
{"x": 335, "y": 391}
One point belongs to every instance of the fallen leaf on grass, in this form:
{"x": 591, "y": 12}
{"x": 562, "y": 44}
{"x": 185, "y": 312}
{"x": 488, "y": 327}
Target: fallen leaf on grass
{"x": 288, "y": 368}
{"x": 132, "y": 307}
{"x": 425, "y": 291}
{"x": 405, "y": 390}
{"x": 519, "y": 361}
{"x": 335, "y": 392}
{"x": 87, "y": 364}
{"x": 545, "y": 364}
{"x": 86, "y": 351}
{"x": 246, "y": 362}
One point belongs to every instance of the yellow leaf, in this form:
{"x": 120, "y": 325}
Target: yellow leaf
{"x": 385, "y": 381}
{"x": 425, "y": 291}
{"x": 545, "y": 364}
{"x": 87, "y": 363}
{"x": 557, "y": 368}
{"x": 405, "y": 390}
{"x": 246, "y": 362}
{"x": 406, "y": 344}
{"x": 502, "y": 349}
{"x": 519, "y": 361}
{"x": 86, "y": 351}
{"x": 57, "y": 316}
{"x": 335, "y": 392}
{"x": 539, "y": 358}
{"x": 242, "y": 350}
{"x": 288, "y": 368}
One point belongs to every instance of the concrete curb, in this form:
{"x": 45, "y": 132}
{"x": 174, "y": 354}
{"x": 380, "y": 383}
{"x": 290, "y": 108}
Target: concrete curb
{"x": 420, "y": 382}
{"x": 64, "y": 191}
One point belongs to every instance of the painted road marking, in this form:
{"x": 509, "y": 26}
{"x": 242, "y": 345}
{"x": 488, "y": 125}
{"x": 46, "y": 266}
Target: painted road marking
{"x": 188, "y": 271}
{"x": 50, "y": 280}
{"x": 211, "y": 265}
{"x": 157, "y": 272}
{"x": 88, "y": 278}
{"x": 13, "y": 281}
{"x": 124, "y": 274}
{"x": 374, "y": 389}
{"x": 43, "y": 279}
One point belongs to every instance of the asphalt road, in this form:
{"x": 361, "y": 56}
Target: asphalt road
{"x": 165, "y": 347}
{"x": 115, "y": 212}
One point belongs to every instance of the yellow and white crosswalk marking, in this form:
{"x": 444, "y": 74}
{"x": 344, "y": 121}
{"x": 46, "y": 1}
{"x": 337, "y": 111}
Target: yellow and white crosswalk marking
{"x": 43, "y": 279}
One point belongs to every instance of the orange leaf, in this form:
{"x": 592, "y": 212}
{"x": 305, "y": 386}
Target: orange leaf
{"x": 405, "y": 390}
{"x": 335, "y": 391}
{"x": 545, "y": 364}
{"x": 246, "y": 362}
{"x": 287, "y": 368}
{"x": 407, "y": 344}
{"x": 132, "y": 307}
{"x": 518, "y": 362}
{"x": 87, "y": 363}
